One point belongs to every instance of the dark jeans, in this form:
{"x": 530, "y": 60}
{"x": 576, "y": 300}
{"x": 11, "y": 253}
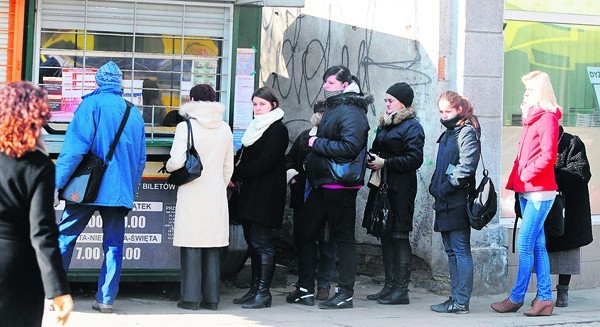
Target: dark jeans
{"x": 327, "y": 253}
{"x": 258, "y": 238}
{"x": 460, "y": 263}
{"x": 338, "y": 208}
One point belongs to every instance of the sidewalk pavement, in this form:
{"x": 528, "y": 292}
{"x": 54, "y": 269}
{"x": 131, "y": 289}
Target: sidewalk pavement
{"x": 141, "y": 309}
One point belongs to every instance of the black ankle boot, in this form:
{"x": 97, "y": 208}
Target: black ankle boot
{"x": 399, "y": 294}
{"x": 263, "y": 297}
{"x": 562, "y": 295}
{"x": 385, "y": 292}
{"x": 255, "y": 265}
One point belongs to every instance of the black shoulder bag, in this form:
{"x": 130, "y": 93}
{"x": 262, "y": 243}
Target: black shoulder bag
{"x": 84, "y": 184}
{"x": 193, "y": 165}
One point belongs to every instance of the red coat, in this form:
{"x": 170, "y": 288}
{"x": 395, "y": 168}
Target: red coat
{"x": 536, "y": 154}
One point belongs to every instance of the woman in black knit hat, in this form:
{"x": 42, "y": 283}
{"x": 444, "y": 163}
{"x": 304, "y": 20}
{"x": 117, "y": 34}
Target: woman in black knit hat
{"x": 398, "y": 146}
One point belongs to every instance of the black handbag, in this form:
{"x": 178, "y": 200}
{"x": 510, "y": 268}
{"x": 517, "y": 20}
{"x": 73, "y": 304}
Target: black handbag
{"x": 349, "y": 173}
{"x": 84, "y": 184}
{"x": 381, "y": 218}
{"x": 483, "y": 203}
{"x": 554, "y": 226}
{"x": 193, "y": 165}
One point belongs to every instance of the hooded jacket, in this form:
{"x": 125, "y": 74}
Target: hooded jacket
{"x": 341, "y": 136}
{"x": 533, "y": 169}
{"x": 93, "y": 128}
{"x": 201, "y": 214}
{"x": 454, "y": 176}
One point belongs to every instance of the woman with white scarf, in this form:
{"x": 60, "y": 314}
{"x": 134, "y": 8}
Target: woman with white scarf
{"x": 260, "y": 170}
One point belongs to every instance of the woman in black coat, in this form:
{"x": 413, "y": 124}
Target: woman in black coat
{"x": 260, "y": 169}
{"x": 452, "y": 181}
{"x": 572, "y": 171}
{"x": 30, "y": 262}
{"x": 398, "y": 146}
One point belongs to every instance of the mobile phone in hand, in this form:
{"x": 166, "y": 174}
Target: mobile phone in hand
{"x": 370, "y": 156}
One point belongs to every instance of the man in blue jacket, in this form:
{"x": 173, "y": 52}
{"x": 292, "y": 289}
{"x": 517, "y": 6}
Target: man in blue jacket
{"x": 94, "y": 126}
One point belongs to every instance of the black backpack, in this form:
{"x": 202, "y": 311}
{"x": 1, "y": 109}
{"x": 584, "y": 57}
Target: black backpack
{"x": 483, "y": 204}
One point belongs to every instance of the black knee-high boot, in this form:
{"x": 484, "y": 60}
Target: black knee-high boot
{"x": 402, "y": 271}
{"x": 387, "y": 253}
{"x": 255, "y": 268}
{"x": 263, "y": 297}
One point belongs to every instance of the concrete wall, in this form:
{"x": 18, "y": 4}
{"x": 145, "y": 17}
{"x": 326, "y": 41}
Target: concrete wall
{"x": 388, "y": 41}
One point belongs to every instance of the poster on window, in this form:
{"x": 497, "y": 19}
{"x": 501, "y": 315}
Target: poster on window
{"x": 132, "y": 91}
{"x": 244, "y": 87}
{"x": 76, "y": 82}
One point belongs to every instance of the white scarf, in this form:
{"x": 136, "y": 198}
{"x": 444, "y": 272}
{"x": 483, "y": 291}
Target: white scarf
{"x": 259, "y": 125}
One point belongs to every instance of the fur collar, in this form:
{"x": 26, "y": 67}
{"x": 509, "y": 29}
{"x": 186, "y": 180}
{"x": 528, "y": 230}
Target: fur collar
{"x": 208, "y": 114}
{"x": 350, "y": 98}
{"x": 398, "y": 117}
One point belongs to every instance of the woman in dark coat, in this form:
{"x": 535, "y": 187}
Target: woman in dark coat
{"x": 572, "y": 171}
{"x": 260, "y": 169}
{"x": 30, "y": 262}
{"x": 398, "y": 146}
{"x": 453, "y": 179}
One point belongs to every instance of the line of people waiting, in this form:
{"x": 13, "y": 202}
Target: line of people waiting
{"x": 322, "y": 171}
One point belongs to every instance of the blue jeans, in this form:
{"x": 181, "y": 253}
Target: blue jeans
{"x": 531, "y": 246}
{"x": 460, "y": 262}
{"x": 74, "y": 219}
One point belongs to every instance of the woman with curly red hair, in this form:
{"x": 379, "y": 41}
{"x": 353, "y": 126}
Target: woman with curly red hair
{"x": 30, "y": 262}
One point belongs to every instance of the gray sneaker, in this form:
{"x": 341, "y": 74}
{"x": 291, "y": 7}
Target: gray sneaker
{"x": 103, "y": 308}
{"x": 458, "y": 308}
{"x": 442, "y": 307}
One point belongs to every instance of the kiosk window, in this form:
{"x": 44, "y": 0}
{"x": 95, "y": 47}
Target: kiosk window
{"x": 162, "y": 49}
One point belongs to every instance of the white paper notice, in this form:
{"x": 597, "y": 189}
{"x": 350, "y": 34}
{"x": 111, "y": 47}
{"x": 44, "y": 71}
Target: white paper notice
{"x": 244, "y": 87}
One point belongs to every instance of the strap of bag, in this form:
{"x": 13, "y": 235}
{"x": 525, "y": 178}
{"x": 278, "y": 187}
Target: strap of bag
{"x": 190, "y": 135}
{"x": 384, "y": 176}
{"x": 113, "y": 146}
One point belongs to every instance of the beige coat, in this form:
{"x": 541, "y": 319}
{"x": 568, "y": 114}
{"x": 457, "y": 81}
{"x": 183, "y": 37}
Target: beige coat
{"x": 202, "y": 215}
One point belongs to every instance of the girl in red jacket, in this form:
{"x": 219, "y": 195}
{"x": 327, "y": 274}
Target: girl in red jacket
{"x": 532, "y": 177}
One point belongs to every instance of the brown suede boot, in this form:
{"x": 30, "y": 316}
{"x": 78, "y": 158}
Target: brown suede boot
{"x": 540, "y": 308}
{"x": 506, "y": 306}
{"x": 562, "y": 295}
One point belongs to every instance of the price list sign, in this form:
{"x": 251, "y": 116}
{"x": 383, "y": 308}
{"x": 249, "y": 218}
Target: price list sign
{"x": 148, "y": 231}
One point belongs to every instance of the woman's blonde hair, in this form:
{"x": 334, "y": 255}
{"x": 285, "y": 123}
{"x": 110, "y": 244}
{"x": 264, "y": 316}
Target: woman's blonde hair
{"x": 23, "y": 111}
{"x": 542, "y": 92}
{"x": 457, "y": 101}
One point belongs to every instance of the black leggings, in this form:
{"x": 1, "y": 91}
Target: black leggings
{"x": 564, "y": 280}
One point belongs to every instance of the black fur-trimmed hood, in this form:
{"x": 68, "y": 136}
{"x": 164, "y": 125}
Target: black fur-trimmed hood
{"x": 351, "y": 99}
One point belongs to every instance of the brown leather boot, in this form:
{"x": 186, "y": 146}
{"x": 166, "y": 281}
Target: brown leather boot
{"x": 322, "y": 294}
{"x": 562, "y": 295}
{"x": 506, "y": 306}
{"x": 540, "y": 308}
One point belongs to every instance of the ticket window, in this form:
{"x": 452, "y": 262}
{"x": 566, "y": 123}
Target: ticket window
{"x": 162, "y": 50}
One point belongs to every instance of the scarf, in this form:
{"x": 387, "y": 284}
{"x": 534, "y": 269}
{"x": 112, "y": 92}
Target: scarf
{"x": 259, "y": 125}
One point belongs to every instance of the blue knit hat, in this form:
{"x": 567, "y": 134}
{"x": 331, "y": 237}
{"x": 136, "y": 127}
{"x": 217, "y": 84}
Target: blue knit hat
{"x": 109, "y": 74}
